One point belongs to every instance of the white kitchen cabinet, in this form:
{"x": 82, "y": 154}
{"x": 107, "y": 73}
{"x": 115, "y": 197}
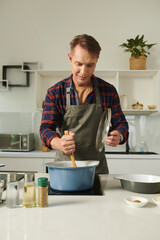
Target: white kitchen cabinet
{"x": 134, "y": 165}
{"x": 26, "y": 161}
{"x": 22, "y": 164}
{"x": 139, "y": 85}
{"x": 146, "y": 166}
{"x": 120, "y": 166}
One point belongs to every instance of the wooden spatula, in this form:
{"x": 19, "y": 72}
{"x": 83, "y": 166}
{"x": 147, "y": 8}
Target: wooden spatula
{"x": 71, "y": 155}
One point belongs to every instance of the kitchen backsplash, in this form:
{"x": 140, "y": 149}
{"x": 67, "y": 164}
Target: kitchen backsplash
{"x": 144, "y": 129}
{"x": 22, "y": 123}
{"x": 144, "y": 133}
{"x": 15, "y": 122}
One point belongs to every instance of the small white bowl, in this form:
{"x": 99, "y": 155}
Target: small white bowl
{"x": 136, "y": 202}
{"x": 2, "y": 165}
{"x": 156, "y": 200}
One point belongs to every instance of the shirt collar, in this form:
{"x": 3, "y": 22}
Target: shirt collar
{"x": 93, "y": 79}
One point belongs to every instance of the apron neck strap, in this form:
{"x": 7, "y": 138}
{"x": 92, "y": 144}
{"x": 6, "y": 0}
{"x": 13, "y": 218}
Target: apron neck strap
{"x": 68, "y": 96}
{"x": 97, "y": 95}
{"x": 68, "y": 99}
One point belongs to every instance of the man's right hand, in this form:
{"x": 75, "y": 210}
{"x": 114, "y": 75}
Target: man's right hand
{"x": 65, "y": 144}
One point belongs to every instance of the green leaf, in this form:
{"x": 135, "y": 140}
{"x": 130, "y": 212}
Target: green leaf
{"x": 137, "y": 46}
{"x": 136, "y": 39}
{"x": 124, "y": 45}
{"x": 150, "y": 45}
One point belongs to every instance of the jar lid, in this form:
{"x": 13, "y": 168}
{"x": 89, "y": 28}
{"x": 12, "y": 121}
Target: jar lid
{"x": 12, "y": 177}
{"x": 137, "y": 104}
{"x": 43, "y": 182}
{"x": 29, "y": 177}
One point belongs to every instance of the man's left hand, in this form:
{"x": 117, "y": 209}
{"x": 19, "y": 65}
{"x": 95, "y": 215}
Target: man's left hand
{"x": 113, "y": 139}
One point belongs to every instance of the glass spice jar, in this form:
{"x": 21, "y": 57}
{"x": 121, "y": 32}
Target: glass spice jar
{"x": 29, "y": 191}
{"x": 43, "y": 192}
{"x": 12, "y": 195}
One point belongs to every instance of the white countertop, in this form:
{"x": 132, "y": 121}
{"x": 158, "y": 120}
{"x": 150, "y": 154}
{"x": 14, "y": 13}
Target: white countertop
{"x": 133, "y": 156}
{"x": 51, "y": 154}
{"x": 84, "y": 217}
{"x": 31, "y": 154}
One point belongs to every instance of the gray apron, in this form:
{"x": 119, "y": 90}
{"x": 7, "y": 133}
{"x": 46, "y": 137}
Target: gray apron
{"x": 83, "y": 120}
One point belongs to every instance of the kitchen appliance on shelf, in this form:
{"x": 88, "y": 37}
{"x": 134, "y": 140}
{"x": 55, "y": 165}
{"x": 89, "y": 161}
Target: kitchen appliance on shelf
{"x": 21, "y": 142}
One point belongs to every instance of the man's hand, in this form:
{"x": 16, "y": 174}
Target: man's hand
{"x": 65, "y": 144}
{"x": 113, "y": 139}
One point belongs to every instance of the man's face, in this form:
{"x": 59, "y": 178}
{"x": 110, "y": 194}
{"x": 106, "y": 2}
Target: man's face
{"x": 83, "y": 65}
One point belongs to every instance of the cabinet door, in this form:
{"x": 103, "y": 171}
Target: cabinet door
{"x": 120, "y": 166}
{"x": 136, "y": 166}
{"x": 22, "y": 164}
{"x": 146, "y": 166}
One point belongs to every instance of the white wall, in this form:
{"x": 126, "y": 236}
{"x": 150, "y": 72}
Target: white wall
{"x": 40, "y": 30}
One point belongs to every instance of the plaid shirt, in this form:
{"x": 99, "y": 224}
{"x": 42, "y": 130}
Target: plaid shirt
{"x": 55, "y": 105}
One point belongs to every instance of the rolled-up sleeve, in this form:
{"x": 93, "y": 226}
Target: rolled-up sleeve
{"x": 51, "y": 119}
{"x": 119, "y": 122}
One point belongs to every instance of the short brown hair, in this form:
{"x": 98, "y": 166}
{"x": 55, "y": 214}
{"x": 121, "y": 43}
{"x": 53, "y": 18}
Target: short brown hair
{"x": 86, "y": 42}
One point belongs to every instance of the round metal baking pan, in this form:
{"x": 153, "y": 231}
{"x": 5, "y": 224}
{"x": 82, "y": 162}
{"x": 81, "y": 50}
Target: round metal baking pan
{"x": 140, "y": 183}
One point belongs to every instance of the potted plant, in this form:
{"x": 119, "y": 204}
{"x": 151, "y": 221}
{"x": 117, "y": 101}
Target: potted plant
{"x": 139, "y": 51}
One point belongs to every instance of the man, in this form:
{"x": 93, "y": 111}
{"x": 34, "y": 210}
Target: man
{"x": 77, "y": 104}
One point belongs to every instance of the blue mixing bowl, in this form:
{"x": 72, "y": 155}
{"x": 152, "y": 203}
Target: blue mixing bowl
{"x": 64, "y": 177}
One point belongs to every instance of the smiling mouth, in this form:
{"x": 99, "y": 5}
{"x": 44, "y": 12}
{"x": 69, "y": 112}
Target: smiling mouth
{"x": 82, "y": 77}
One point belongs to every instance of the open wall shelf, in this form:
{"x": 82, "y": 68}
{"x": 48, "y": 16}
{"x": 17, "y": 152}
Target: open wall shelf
{"x": 3, "y": 85}
{"x": 139, "y": 85}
